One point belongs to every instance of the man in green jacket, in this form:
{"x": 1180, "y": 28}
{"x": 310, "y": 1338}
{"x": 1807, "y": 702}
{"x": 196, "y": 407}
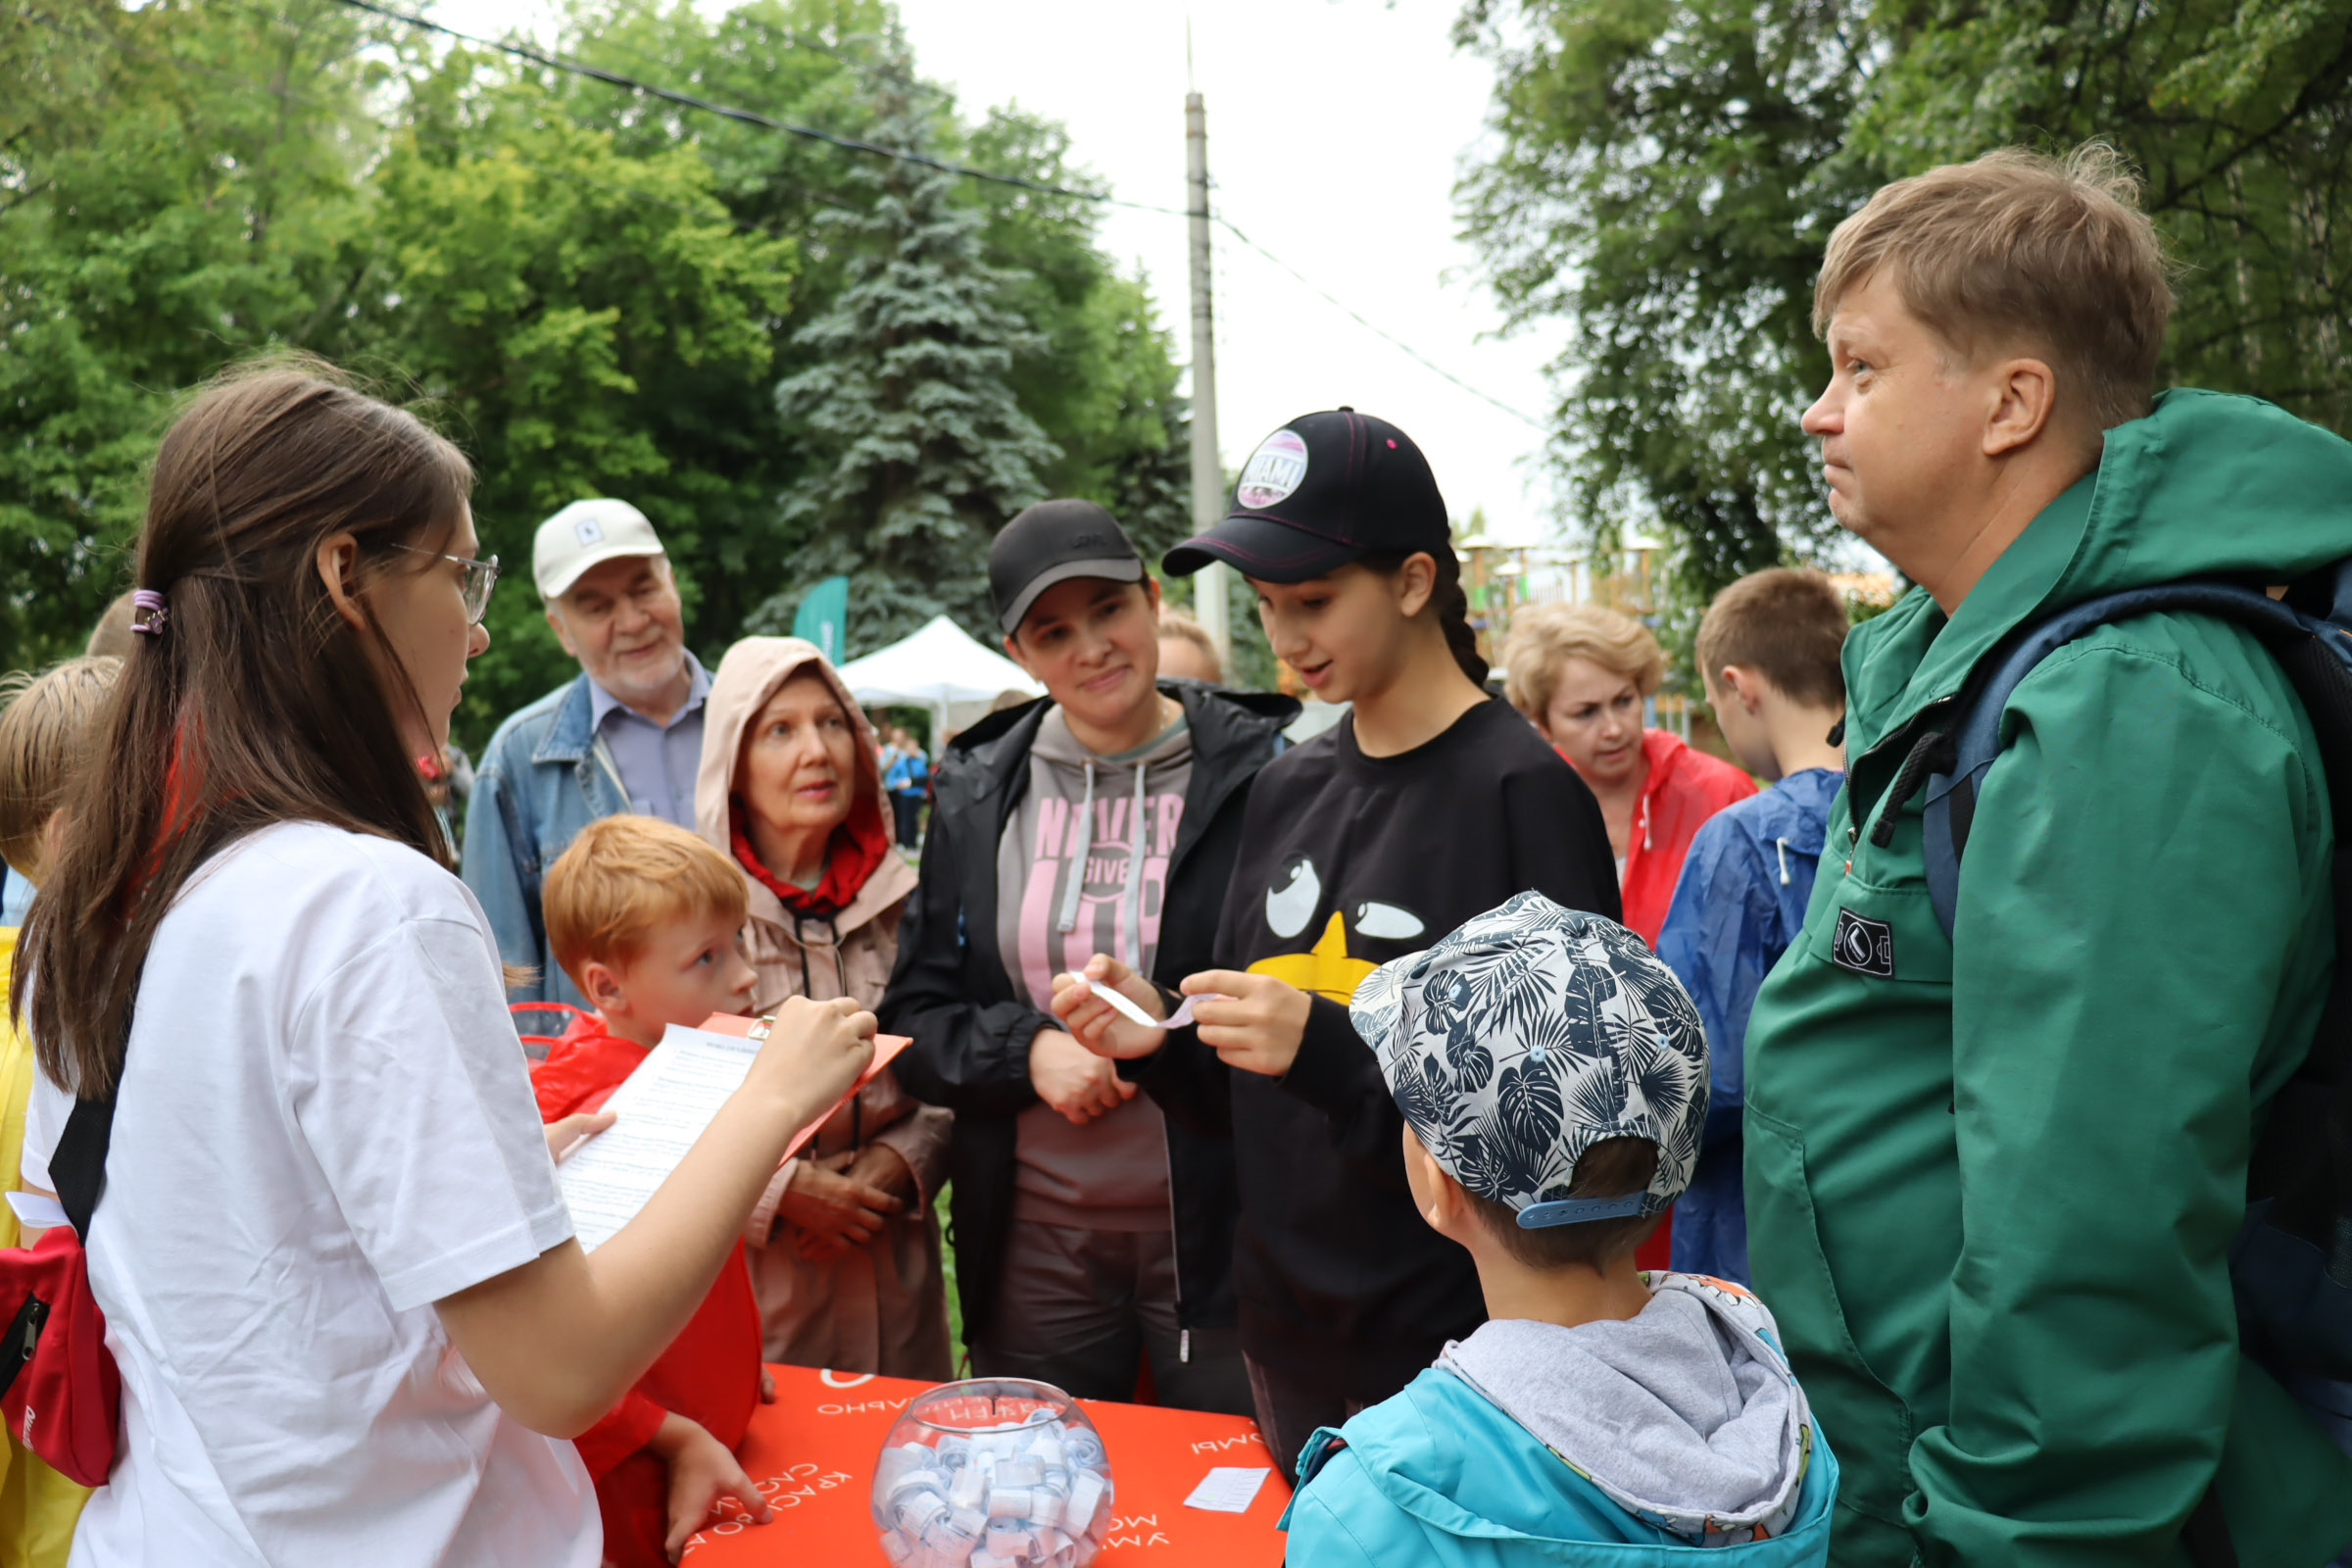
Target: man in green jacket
{"x": 1991, "y": 1181}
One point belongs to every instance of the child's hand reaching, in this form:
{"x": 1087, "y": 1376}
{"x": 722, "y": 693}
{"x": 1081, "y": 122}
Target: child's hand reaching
{"x": 1094, "y": 1023}
{"x": 701, "y": 1472}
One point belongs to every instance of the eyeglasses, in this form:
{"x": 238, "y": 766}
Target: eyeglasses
{"x": 481, "y": 576}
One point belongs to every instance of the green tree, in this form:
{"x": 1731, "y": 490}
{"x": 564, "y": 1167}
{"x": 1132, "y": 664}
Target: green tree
{"x": 585, "y": 321}
{"x": 175, "y": 188}
{"x": 588, "y": 287}
{"x": 1100, "y": 374}
{"x": 2239, "y": 118}
{"x": 919, "y": 448}
{"x": 1100, "y": 378}
{"x": 1666, "y": 172}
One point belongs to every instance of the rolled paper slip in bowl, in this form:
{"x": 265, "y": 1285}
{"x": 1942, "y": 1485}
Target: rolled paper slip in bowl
{"x": 1127, "y": 1010}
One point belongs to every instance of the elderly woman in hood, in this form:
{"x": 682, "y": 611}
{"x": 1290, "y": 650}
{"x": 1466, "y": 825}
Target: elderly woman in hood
{"x": 843, "y": 1248}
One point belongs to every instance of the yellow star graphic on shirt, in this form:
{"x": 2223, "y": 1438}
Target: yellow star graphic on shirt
{"x": 1325, "y": 969}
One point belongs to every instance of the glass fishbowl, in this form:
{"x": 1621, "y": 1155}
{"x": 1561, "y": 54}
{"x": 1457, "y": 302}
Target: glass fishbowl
{"x": 992, "y": 1473}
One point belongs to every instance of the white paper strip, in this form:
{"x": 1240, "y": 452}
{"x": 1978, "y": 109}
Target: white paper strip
{"x": 1127, "y": 1010}
{"x": 1227, "y": 1490}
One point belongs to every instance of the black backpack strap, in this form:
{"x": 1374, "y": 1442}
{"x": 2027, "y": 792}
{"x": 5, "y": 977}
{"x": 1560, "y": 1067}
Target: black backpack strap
{"x": 2304, "y": 1157}
{"x": 77, "y": 1166}
{"x": 2206, "y": 1535}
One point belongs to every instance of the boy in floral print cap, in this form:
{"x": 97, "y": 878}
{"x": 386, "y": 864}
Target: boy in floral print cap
{"x": 1552, "y": 1077}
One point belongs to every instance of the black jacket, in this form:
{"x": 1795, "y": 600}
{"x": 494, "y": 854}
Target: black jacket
{"x": 971, "y": 1027}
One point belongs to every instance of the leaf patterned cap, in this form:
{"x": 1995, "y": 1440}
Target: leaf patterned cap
{"x": 1529, "y": 1034}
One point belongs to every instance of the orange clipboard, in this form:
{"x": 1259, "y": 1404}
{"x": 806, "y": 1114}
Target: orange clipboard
{"x": 886, "y": 1049}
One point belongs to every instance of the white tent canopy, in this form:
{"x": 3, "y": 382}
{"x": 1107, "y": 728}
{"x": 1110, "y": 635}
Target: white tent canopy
{"x": 939, "y": 668}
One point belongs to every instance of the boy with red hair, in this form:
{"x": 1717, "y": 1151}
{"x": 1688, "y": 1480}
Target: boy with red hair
{"x": 643, "y": 916}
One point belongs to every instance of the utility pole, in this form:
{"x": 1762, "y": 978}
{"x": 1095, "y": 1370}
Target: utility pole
{"x": 1208, "y": 469}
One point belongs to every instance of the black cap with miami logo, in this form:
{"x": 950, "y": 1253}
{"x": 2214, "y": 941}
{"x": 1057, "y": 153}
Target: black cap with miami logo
{"x": 1321, "y": 491}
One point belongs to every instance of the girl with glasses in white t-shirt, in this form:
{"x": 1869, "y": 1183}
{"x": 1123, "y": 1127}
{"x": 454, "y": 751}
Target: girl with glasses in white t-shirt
{"x": 340, "y": 1281}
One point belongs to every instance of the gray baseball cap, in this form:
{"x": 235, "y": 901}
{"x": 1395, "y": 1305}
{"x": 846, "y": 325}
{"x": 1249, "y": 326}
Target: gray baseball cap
{"x": 1053, "y": 542}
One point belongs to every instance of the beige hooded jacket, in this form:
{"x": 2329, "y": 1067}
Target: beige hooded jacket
{"x": 883, "y": 1307}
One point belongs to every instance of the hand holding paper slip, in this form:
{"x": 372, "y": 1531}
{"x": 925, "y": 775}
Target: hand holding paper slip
{"x": 662, "y": 1107}
{"x": 1127, "y": 1010}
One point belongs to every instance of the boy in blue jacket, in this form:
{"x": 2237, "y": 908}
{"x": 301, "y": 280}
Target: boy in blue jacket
{"x": 1552, "y": 1076}
{"x": 1768, "y": 652}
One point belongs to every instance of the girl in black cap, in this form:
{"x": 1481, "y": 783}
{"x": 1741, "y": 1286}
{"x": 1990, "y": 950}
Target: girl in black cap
{"x": 1091, "y": 1231}
{"x": 1430, "y": 803}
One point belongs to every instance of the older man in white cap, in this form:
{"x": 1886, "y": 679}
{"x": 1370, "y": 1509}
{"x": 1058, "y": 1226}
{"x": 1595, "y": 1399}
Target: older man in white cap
{"x": 625, "y": 736}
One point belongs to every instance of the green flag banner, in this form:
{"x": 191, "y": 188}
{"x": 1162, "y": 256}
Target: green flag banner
{"x": 824, "y": 617}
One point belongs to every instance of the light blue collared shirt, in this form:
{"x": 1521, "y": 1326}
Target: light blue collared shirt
{"x": 14, "y": 898}
{"x": 657, "y": 762}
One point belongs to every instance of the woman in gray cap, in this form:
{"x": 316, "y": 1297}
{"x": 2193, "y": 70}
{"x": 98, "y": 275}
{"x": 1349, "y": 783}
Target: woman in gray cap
{"x": 1093, "y": 1233}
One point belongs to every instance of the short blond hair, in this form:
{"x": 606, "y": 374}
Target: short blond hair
{"x": 623, "y": 877}
{"x": 46, "y": 732}
{"x": 1788, "y": 625}
{"x": 1176, "y": 621}
{"x": 2021, "y": 250}
{"x": 112, "y": 635}
{"x": 1543, "y": 637}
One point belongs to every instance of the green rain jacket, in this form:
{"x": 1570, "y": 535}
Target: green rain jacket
{"x": 1990, "y": 1187}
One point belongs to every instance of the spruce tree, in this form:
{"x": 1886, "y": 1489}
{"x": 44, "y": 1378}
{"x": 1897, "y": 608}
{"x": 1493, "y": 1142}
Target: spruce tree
{"x": 917, "y": 448}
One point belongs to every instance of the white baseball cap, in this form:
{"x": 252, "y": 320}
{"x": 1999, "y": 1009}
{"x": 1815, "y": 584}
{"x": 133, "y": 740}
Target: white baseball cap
{"x": 585, "y": 534}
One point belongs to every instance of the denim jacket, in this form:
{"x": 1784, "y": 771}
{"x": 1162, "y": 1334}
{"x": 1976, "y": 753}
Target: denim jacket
{"x": 545, "y": 775}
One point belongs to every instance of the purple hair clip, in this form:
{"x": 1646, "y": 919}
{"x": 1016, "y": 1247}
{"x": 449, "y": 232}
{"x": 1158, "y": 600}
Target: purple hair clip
{"x": 148, "y": 613}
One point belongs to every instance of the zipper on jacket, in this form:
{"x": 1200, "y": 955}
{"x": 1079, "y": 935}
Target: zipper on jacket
{"x": 1184, "y": 1336}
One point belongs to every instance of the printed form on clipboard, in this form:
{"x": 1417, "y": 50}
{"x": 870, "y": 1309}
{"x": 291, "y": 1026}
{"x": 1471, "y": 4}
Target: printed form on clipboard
{"x": 661, "y": 1108}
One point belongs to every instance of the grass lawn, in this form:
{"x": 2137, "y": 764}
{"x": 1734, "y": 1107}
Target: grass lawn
{"x": 947, "y": 1264}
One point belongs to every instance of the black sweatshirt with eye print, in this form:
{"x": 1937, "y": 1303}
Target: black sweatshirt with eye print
{"x": 1347, "y": 862}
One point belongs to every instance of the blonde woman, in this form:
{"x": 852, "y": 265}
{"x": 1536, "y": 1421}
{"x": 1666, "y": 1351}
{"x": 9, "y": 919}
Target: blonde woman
{"x": 1582, "y": 673}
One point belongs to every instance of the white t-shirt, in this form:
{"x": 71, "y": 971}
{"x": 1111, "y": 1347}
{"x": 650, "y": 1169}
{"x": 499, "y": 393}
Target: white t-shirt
{"x": 325, "y": 1126}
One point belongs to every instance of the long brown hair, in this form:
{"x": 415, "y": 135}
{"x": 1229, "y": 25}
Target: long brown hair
{"x": 257, "y": 702}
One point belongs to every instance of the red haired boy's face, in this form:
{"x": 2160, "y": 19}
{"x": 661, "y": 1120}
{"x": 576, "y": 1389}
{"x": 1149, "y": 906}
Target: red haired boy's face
{"x": 687, "y": 970}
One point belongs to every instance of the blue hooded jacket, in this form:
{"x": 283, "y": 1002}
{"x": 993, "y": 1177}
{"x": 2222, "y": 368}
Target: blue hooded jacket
{"x": 1443, "y": 1475}
{"x": 1738, "y": 905}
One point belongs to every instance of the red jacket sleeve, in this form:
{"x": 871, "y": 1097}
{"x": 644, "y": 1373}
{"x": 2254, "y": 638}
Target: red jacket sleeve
{"x": 624, "y": 1429}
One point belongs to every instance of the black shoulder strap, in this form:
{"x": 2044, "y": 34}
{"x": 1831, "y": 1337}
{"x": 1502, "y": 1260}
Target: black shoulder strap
{"x": 77, "y": 1166}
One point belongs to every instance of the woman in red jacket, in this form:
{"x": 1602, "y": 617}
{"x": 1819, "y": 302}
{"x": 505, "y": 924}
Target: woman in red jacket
{"x": 1581, "y": 674}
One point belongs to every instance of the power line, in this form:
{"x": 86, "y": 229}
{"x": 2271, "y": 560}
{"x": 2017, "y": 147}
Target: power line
{"x": 749, "y": 117}
{"x": 853, "y": 144}
{"x": 847, "y": 143}
{"x": 713, "y": 211}
{"x": 1423, "y": 360}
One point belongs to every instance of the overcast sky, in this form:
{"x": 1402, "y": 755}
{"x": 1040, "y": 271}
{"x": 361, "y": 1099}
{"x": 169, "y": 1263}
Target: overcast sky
{"x": 1337, "y": 129}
